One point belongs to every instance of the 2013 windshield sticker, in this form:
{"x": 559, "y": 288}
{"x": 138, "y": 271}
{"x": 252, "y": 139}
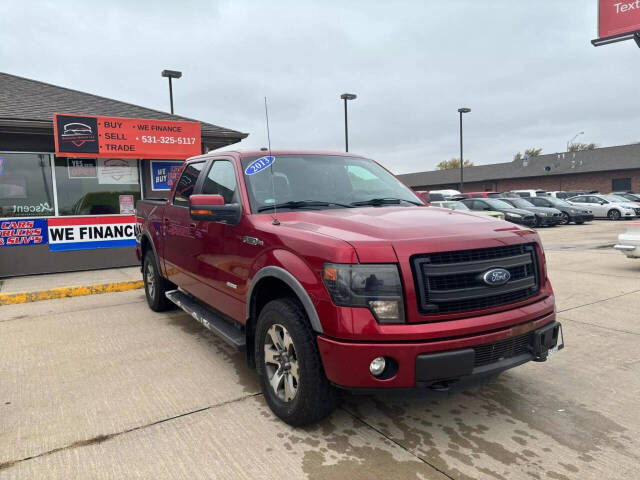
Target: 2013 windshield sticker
{"x": 259, "y": 165}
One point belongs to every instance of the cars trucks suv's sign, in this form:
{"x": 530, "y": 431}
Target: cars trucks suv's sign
{"x": 116, "y": 137}
{"x": 23, "y": 232}
{"x": 618, "y": 18}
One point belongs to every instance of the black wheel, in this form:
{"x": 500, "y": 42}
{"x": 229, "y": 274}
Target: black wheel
{"x": 538, "y": 222}
{"x": 613, "y": 215}
{"x": 288, "y": 363}
{"x": 565, "y": 219}
{"x": 155, "y": 285}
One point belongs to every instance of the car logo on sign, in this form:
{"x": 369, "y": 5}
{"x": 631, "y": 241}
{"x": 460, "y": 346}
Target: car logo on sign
{"x": 496, "y": 277}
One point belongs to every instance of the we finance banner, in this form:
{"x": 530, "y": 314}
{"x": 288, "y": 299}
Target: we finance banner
{"x": 83, "y": 233}
{"x": 118, "y": 137}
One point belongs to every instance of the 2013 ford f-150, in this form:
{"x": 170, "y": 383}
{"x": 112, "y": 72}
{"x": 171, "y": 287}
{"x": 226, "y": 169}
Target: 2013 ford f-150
{"x": 332, "y": 273}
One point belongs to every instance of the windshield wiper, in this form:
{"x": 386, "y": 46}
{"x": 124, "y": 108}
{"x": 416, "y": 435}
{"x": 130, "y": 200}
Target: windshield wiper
{"x": 383, "y": 201}
{"x": 302, "y": 204}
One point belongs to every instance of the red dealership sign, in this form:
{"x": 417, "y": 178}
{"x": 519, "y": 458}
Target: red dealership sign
{"x": 618, "y": 17}
{"x": 116, "y": 137}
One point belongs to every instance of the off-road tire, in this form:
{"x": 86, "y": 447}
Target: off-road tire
{"x": 315, "y": 398}
{"x": 613, "y": 214}
{"x": 155, "y": 285}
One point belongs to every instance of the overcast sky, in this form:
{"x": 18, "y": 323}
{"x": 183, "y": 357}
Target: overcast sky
{"x": 525, "y": 68}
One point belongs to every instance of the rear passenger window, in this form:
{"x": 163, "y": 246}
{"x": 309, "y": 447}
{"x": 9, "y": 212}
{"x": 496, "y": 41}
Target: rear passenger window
{"x": 186, "y": 184}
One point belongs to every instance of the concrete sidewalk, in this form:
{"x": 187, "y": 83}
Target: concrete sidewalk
{"x": 33, "y": 288}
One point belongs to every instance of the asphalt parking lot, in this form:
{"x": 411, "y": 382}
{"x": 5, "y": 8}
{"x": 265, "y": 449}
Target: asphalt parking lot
{"x": 102, "y": 387}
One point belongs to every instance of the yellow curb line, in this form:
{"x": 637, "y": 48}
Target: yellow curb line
{"x": 62, "y": 292}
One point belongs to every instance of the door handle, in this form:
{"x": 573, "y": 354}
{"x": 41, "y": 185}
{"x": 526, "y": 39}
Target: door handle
{"x": 192, "y": 228}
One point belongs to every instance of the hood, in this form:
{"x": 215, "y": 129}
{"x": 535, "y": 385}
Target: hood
{"x": 519, "y": 211}
{"x": 630, "y": 205}
{"x": 547, "y": 210}
{"x": 406, "y": 229}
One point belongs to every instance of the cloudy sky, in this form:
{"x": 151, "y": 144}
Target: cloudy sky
{"x": 525, "y": 68}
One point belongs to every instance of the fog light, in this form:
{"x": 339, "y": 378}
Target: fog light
{"x": 386, "y": 310}
{"x": 377, "y": 366}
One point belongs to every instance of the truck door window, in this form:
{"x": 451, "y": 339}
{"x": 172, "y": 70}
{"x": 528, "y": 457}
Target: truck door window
{"x": 186, "y": 184}
{"x": 221, "y": 180}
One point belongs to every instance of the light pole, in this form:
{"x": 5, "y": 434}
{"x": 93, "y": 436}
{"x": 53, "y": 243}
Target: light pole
{"x": 171, "y": 74}
{"x": 461, "y": 111}
{"x": 574, "y": 137}
{"x": 345, "y": 97}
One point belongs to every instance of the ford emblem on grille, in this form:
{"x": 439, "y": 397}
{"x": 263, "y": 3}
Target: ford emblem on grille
{"x": 496, "y": 277}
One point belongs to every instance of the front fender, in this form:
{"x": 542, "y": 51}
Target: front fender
{"x": 297, "y": 274}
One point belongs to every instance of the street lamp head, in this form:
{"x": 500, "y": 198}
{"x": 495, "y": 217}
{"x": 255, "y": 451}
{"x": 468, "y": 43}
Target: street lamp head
{"x": 464, "y": 110}
{"x": 348, "y": 96}
{"x": 171, "y": 73}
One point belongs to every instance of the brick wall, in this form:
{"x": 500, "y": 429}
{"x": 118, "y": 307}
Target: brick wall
{"x": 600, "y": 181}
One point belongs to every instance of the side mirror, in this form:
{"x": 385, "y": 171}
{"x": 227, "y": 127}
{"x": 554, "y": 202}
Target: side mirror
{"x": 211, "y": 208}
{"x": 602, "y": 202}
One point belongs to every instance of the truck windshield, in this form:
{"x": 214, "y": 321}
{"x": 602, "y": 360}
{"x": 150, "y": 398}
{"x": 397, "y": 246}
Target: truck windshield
{"x": 323, "y": 181}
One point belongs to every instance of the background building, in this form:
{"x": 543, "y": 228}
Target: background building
{"x": 40, "y": 190}
{"x": 603, "y": 169}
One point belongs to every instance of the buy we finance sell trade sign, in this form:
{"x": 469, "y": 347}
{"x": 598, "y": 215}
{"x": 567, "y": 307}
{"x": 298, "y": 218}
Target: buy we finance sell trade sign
{"x": 118, "y": 137}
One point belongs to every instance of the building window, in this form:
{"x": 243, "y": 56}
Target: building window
{"x": 26, "y": 188}
{"x": 102, "y": 186}
{"x": 620, "y": 184}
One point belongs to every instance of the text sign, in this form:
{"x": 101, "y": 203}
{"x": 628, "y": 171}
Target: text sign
{"x": 259, "y": 165}
{"x": 23, "y": 232}
{"x": 164, "y": 174}
{"x": 116, "y": 137}
{"x": 617, "y": 17}
{"x": 83, "y": 233}
{"x": 81, "y": 167}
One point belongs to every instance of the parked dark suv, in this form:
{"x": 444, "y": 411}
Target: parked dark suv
{"x": 569, "y": 213}
{"x": 545, "y": 216}
{"x": 511, "y": 214}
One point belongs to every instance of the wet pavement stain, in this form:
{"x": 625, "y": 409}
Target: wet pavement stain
{"x": 512, "y": 438}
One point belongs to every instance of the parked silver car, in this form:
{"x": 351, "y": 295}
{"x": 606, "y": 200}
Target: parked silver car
{"x": 607, "y": 206}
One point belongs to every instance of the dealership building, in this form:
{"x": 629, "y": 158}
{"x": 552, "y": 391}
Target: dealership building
{"x": 603, "y": 169}
{"x": 75, "y": 211}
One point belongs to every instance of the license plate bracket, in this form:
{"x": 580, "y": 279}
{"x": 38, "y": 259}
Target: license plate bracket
{"x": 547, "y": 341}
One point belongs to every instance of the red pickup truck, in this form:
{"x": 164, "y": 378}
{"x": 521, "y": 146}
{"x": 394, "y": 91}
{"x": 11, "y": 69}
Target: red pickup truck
{"x": 333, "y": 274}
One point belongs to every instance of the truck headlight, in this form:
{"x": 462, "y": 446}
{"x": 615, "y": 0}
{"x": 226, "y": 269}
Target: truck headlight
{"x": 373, "y": 286}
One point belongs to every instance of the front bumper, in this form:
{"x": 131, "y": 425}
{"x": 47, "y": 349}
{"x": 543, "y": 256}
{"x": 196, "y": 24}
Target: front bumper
{"x": 631, "y": 251}
{"x": 549, "y": 221}
{"x": 581, "y": 217}
{"x": 526, "y": 221}
{"x": 421, "y": 364}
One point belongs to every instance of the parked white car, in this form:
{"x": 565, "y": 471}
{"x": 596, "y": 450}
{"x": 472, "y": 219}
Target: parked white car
{"x": 446, "y": 193}
{"x": 561, "y": 194}
{"x": 530, "y": 193}
{"x": 607, "y": 206}
{"x": 629, "y": 241}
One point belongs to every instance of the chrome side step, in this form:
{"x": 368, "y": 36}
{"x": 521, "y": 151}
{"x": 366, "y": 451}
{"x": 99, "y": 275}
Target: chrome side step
{"x": 222, "y": 327}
